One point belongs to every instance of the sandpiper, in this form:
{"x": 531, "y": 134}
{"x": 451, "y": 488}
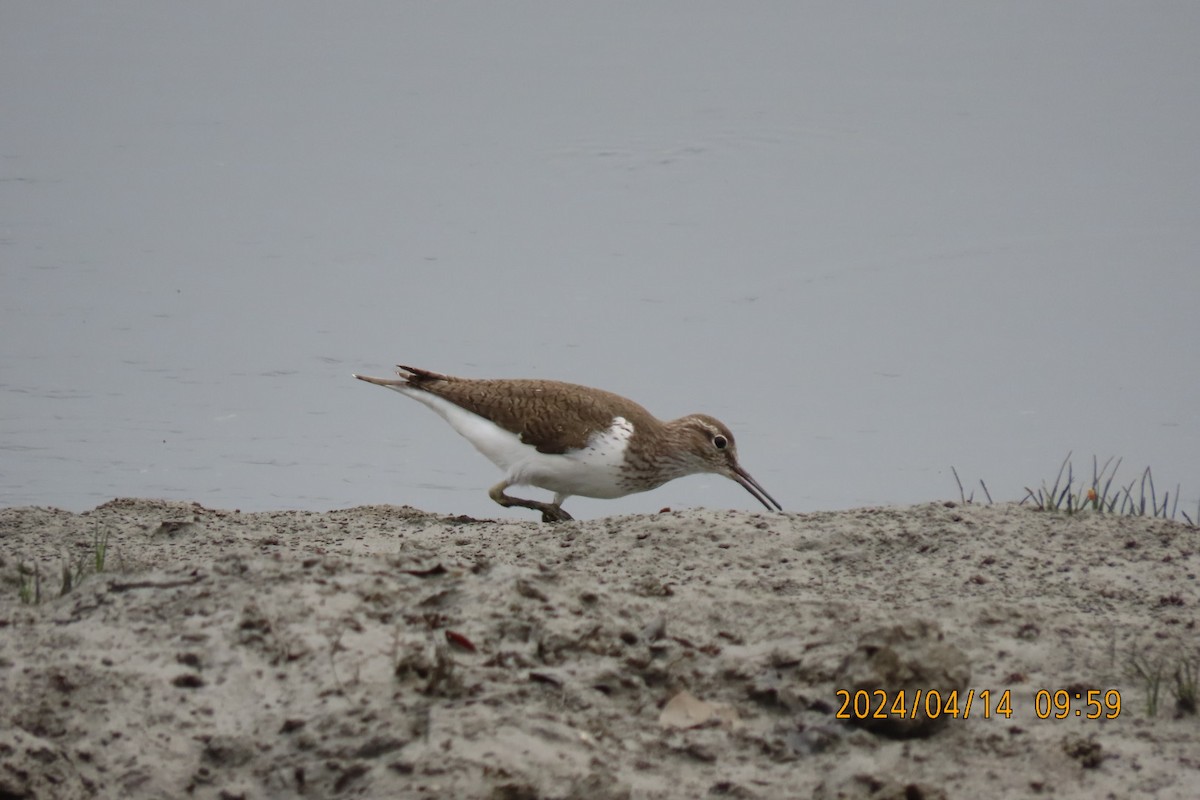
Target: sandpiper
{"x": 573, "y": 440}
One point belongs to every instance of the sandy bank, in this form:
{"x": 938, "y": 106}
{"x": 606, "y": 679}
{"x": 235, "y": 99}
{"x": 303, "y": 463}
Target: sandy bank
{"x": 385, "y": 652}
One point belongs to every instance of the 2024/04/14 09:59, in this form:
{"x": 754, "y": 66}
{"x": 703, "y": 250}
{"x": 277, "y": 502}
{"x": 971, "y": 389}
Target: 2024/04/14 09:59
{"x": 1059, "y": 704}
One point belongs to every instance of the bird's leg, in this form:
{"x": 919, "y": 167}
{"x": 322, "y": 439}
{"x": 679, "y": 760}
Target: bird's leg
{"x": 551, "y": 512}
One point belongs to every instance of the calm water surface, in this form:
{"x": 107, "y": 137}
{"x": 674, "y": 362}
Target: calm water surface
{"x": 876, "y": 246}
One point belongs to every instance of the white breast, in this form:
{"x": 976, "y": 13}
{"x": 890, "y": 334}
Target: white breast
{"x": 594, "y": 471}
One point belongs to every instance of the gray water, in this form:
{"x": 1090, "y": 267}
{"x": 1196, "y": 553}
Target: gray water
{"x": 876, "y": 240}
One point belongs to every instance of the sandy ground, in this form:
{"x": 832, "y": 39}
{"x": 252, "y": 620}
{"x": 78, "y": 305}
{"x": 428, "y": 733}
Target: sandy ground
{"x": 385, "y": 652}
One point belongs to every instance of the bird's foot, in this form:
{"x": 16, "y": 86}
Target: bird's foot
{"x": 551, "y": 512}
{"x": 554, "y": 514}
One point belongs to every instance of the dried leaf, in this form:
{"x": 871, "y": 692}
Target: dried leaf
{"x": 434, "y": 571}
{"x": 527, "y": 589}
{"x": 460, "y": 641}
{"x": 685, "y": 710}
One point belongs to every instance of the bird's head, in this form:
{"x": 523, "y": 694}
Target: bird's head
{"x": 708, "y": 446}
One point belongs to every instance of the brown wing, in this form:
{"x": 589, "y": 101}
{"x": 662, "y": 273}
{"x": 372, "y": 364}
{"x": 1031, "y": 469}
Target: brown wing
{"x": 552, "y": 416}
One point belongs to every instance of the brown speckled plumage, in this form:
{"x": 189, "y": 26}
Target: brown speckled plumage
{"x": 552, "y": 416}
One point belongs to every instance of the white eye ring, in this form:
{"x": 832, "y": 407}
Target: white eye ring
{"x": 720, "y": 442}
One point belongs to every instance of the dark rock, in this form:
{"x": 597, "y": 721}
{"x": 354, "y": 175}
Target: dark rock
{"x": 898, "y": 667}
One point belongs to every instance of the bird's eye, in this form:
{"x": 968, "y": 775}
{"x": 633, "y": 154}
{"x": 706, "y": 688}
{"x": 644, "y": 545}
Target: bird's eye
{"x": 720, "y": 442}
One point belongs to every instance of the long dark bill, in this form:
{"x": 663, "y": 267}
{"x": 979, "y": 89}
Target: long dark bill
{"x": 752, "y": 486}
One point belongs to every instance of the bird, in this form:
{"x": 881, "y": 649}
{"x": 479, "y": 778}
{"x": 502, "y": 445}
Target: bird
{"x": 573, "y": 440}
